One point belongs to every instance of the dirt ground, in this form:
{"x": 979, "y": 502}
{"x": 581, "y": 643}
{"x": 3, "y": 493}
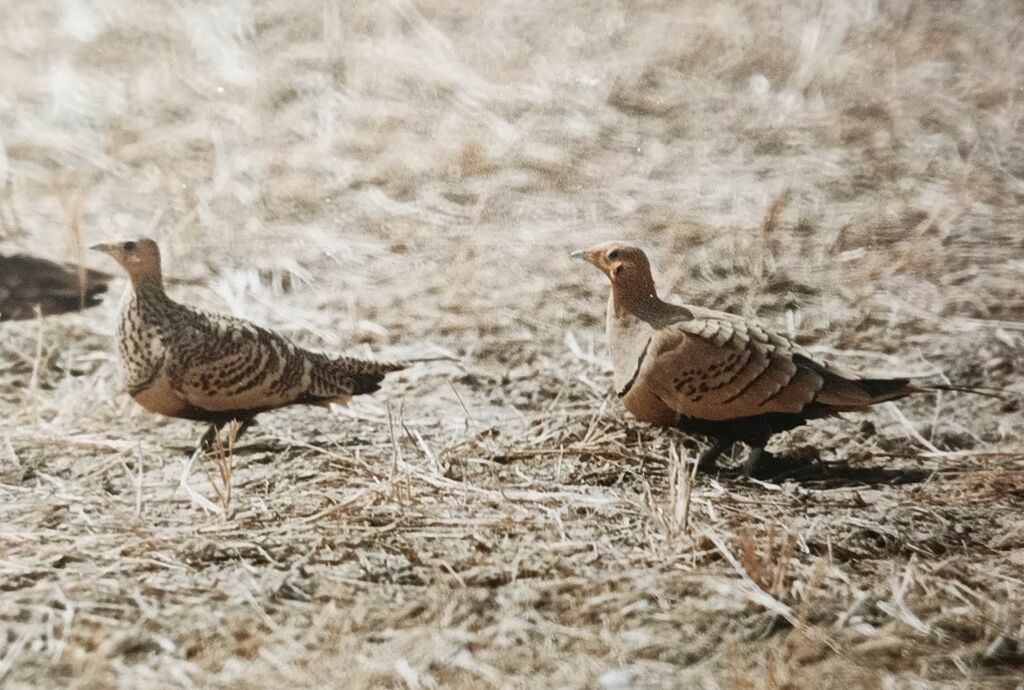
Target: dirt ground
{"x": 406, "y": 179}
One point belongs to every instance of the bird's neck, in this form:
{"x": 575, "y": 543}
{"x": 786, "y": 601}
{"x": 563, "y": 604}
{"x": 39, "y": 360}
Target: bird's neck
{"x": 637, "y": 298}
{"x": 148, "y": 285}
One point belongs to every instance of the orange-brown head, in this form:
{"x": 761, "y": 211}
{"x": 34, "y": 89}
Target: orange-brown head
{"x": 140, "y": 258}
{"x": 625, "y": 265}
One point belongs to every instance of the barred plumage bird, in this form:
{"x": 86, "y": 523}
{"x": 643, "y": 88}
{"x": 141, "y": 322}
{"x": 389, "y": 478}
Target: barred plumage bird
{"x": 182, "y": 362}
{"x": 716, "y": 374}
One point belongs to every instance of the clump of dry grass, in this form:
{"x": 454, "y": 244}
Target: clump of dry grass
{"x": 408, "y": 179}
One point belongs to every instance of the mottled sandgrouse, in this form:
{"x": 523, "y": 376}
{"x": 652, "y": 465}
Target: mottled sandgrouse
{"x": 715, "y": 374}
{"x": 181, "y": 362}
{"x": 28, "y": 282}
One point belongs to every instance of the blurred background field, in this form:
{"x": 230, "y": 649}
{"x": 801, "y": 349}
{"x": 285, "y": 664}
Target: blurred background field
{"x": 406, "y": 179}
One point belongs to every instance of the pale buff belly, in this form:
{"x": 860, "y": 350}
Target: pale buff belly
{"x": 159, "y": 397}
{"x": 647, "y": 407}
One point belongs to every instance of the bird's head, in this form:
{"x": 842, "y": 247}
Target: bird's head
{"x": 624, "y": 264}
{"x": 140, "y": 257}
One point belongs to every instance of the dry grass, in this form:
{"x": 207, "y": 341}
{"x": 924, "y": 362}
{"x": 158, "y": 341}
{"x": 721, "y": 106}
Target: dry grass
{"x": 407, "y": 179}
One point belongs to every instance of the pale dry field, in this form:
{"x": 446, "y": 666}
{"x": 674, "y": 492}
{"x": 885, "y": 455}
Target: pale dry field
{"x": 406, "y": 179}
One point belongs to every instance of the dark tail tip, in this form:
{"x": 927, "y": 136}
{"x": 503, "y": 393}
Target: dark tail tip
{"x": 884, "y": 388}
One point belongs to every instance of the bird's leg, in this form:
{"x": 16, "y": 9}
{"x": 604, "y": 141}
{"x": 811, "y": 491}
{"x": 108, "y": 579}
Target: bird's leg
{"x": 243, "y": 424}
{"x": 209, "y": 439}
{"x": 755, "y": 459}
{"x": 707, "y": 461}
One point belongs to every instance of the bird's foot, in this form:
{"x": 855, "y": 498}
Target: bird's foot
{"x": 760, "y": 464}
{"x": 708, "y": 460}
{"x": 758, "y": 460}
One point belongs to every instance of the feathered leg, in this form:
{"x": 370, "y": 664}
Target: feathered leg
{"x": 756, "y": 459}
{"x": 209, "y": 439}
{"x": 707, "y": 461}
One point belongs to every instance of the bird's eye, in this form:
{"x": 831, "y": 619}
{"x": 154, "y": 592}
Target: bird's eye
{"x": 613, "y": 255}
{"x": 129, "y": 246}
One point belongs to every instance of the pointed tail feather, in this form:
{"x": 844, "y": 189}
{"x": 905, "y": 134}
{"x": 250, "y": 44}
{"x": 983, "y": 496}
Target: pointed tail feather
{"x": 972, "y": 390}
{"x": 846, "y": 392}
{"x": 891, "y": 389}
{"x": 439, "y": 358}
{"x": 341, "y": 377}
{"x": 882, "y": 390}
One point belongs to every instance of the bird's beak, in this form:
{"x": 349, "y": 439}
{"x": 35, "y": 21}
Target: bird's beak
{"x": 587, "y": 255}
{"x": 105, "y": 248}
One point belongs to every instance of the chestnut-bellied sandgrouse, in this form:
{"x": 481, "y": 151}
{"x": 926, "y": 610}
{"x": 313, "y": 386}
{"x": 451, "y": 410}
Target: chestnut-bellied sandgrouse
{"x": 716, "y": 374}
{"x": 182, "y": 362}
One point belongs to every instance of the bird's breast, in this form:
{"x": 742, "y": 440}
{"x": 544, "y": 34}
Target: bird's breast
{"x": 648, "y": 407}
{"x": 627, "y": 345}
{"x": 141, "y": 348}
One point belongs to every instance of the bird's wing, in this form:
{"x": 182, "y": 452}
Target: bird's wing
{"x": 220, "y": 363}
{"x": 717, "y": 366}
